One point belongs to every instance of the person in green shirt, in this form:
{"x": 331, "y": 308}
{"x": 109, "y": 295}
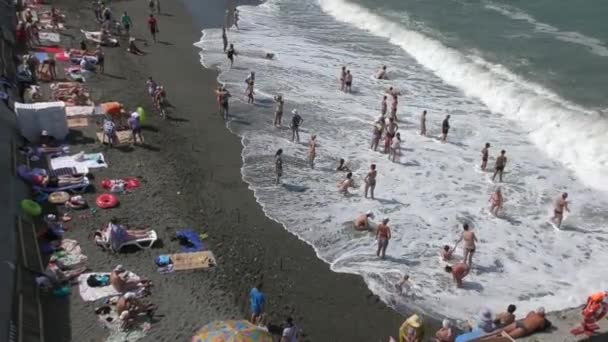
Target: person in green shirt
{"x": 126, "y": 22}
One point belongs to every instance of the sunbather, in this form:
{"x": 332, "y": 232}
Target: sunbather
{"x": 129, "y": 307}
{"x": 535, "y": 321}
{"x": 120, "y": 235}
{"x": 46, "y": 181}
{"x": 123, "y": 280}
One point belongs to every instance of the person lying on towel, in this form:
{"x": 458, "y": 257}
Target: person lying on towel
{"x": 123, "y": 280}
{"x": 46, "y": 181}
{"x": 129, "y": 307}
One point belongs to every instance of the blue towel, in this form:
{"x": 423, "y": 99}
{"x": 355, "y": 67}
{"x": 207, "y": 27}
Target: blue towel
{"x": 195, "y": 242}
{"x": 41, "y": 56}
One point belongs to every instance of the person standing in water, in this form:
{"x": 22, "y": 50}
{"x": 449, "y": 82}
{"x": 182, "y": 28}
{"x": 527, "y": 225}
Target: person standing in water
{"x": 559, "y": 206}
{"x": 342, "y": 78}
{"x": 312, "y": 151}
{"x": 377, "y": 133}
{"x": 496, "y": 201}
{"x": 445, "y": 127}
{"x": 389, "y": 134}
{"x": 469, "y": 243}
{"x": 458, "y": 271}
{"x": 223, "y": 96}
{"x": 348, "y": 82}
{"x": 423, "y": 124}
{"x": 348, "y": 182}
{"x": 231, "y": 53}
{"x": 394, "y": 105}
{"x": 499, "y": 168}
{"x": 484, "y": 156}
{"x": 370, "y": 181}
{"x": 250, "y": 80}
{"x": 395, "y": 148}
{"x": 278, "y": 114}
{"x": 278, "y": 165}
{"x": 224, "y": 38}
{"x": 384, "y": 105}
{"x": 236, "y": 18}
{"x": 296, "y": 121}
{"x": 381, "y": 75}
{"x": 383, "y": 234}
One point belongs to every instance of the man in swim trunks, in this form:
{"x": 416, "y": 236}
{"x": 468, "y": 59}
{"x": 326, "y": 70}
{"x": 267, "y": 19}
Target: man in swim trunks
{"x": 377, "y": 133}
{"x": 342, "y": 78}
{"x": 459, "y": 270}
{"x": 469, "y": 243}
{"x": 231, "y": 53}
{"x": 348, "y": 82}
{"x": 394, "y": 105}
{"x": 445, "y": 127}
{"x": 381, "y": 75}
{"x": 278, "y": 114}
{"x": 153, "y": 26}
{"x": 296, "y": 121}
{"x": 395, "y": 148}
{"x": 535, "y": 321}
{"x": 384, "y": 105}
{"x": 362, "y": 221}
{"x": 370, "y": 181}
{"x": 484, "y": 156}
{"x": 423, "y": 124}
{"x": 558, "y": 209}
{"x": 346, "y": 183}
{"x": 390, "y": 131}
{"x": 499, "y": 168}
{"x": 383, "y": 235}
{"x": 278, "y": 165}
{"x": 312, "y": 151}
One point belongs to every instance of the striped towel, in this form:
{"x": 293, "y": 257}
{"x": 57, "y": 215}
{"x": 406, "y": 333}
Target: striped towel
{"x": 64, "y": 171}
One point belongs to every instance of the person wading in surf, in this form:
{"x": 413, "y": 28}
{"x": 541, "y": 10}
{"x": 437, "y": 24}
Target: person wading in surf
{"x": 423, "y": 124}
{"x": 370, "y": 181}
{"x": 445, "y": 127}
{"x": 469, "y": 243}
{"x": 383, "y": 234}
{"x": 558, "y": 209}
{"x": 499, "y": 168}
{"x": 484, "y": 156}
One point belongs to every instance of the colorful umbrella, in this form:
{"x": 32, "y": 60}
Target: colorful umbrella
{"x": 231, "y": 331}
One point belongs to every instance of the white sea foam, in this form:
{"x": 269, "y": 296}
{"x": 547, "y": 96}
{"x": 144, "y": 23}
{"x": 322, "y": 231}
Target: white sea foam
{"x": 434, "y": 187}
{"x": 594, "y": 45}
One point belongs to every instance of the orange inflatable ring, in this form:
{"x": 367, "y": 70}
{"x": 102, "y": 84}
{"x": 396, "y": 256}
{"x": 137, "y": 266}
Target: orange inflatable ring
{"x": 106, "y": 201}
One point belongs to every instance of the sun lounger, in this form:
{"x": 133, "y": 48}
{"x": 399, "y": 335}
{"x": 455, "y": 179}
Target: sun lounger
{"x": 143, "y": 243}
{"x": 77, "y": 188}
{"x": 192, "y": 261}
{"x": 105, "y": 241}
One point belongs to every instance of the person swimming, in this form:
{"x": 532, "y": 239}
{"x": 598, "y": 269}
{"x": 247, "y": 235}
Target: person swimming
{"x": 342, "y": 165}
{"x": 381, "y": 74}
{"x": 348, "y": 182}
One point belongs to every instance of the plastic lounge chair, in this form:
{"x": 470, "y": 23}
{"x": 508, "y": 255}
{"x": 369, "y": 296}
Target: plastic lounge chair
{"x": 143, "y": 243}
{"x": 75, "y": 188}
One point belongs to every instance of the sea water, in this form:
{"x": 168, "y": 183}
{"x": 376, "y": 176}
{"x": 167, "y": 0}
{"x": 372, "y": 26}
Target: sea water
{"x": 528, "y": 80}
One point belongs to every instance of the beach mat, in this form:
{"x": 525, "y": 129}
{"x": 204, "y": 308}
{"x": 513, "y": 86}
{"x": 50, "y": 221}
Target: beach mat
{"x": 124, "y": 137}
{"x": 78, "y": 122}
{"x": 49, "y": 37}
{"x": 90, "y": 161}
{"x": 192, "y": 261}
{"x": 79, "y": 111}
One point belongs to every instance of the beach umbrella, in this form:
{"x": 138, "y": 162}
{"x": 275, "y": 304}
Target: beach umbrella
{"x": 231, "y": 331}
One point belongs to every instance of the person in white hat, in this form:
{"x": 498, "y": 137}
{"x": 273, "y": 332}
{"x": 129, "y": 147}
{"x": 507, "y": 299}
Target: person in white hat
{"x": 362, "y": 221}
{"x": 123, "y": 280}
{"x": 135, "y": 125}
{"x": 296, "y": 121}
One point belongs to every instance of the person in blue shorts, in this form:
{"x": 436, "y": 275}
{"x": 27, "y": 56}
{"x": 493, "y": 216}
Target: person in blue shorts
{"x": 258, "y": 303}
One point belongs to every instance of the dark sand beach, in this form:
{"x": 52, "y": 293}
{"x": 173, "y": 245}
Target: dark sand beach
{"x": 190, "y": 172}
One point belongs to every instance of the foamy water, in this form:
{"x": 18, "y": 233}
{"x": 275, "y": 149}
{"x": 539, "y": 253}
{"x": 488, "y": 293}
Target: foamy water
{"x": 552, "y": 146}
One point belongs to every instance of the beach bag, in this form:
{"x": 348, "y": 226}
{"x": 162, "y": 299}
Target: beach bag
{"x": 162, "y": 260}
{"x": 96, "y": 280}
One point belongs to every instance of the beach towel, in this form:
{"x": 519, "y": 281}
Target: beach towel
{"x": 49, "y": 37}
{"x": 78, "y": 122}
{"x": 193, "y": 244}
{"x": 50, "y": 49}
{"x": 192, "y": 261}
{"x": 89, "y": 294}
{"x": 82, "y": 162}
{"x": 79, "y": 111}
{"x": 124, "y": 137}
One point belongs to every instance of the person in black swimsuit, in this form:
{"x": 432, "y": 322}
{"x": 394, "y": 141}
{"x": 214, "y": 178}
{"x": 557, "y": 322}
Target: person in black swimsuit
{"x": 231, "y": 53}
{"x": 445, "y": 127}
{"x": 501, "y": 162}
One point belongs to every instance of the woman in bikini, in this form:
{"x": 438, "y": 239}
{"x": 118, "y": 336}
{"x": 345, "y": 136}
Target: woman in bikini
{"x": 496, "y": 201}
{"x": 370, "y": 181}
{"x": 469, "y": 244}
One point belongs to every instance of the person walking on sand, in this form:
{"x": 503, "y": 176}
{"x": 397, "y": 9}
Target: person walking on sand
{"x": 296, "y": 121}
{"x": 389, "y": 134}
{"x": 101, "y": 59}
{"x": 348, "y": 182}
{"x": 278, "y": 165}
{"x": 496, "y": 201}
{"x": 377, "y": 133}
{"x": 342, "y": 78}
{"x": 290, "y": 331}
{"x": 126, "y": 22}
{"x": 231, "y": 53}
{"x": 157, "y": 3}
{"x": 224, "y": 38}
{"x": 278, "y": 113}
{"x": 348, "y": 82}
{"x": 499, "y": 167}
{"x": 395, "y": 148}
{"x": 469, "y": 243}
{"x": 559, "y": 206}
{"x": 384, "y": 105}
{"x": 312, "y": 151}
{"x": 484, "y": 156}
{"x": 153, "y": 26}
{"x": 383, "y": 235}
{"x": 257, "y": 300}
{"x": 458, "y": 271}
{"x": 370, "y": 181}
{"x": 423, "y": 124}
{"x": 445, "y": 127}
{"x": 135, "y": 126}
